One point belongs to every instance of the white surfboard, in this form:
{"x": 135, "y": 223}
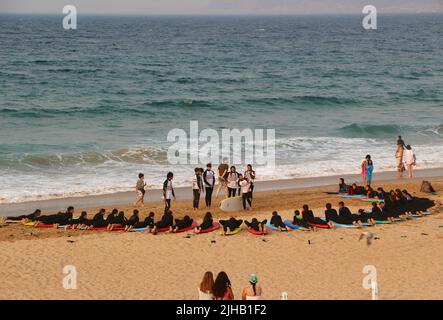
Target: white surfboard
{"x": 232, "y": 204}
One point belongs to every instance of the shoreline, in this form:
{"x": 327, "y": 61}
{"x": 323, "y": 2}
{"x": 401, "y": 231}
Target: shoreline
{"x": 183, "y": 193}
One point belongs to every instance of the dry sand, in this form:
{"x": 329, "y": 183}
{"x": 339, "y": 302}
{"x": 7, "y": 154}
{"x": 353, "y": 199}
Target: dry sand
{"x": 118, "y": 265}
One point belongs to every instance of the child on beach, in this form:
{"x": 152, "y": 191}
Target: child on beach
{"x": 209, "y": 182}
{"x": 345, "y": 214}
{"x": 25, "y": 218}
{"x": 179, "y": 224}
{"x": 299, "y": 221}
{"x": 206, "y": 224}
{"x": 367, "y": 167}
{"x": 309, "y": 217}
{"x": 166, "y": 221}
{"x": 230, "y": 225}
{"x": 147, "y": 223}
{"x": 168, "y": 191}
{"x": 98, "y": 221}
{"x": 245, "y": 191}
{"x": 132, "y": 221}
{"x": 74, "y": 223}
{"x": 277, "y": 222}
{"x": 257, "y": 225}
{"x": 197, "y": 188}
{"x": 140, "y": 190}
{"x": 232, "y": 182}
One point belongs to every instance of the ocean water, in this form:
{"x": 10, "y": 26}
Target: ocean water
{"x": 82, "y": 112}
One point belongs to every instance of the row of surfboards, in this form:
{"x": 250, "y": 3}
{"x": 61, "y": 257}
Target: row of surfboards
{"x": 216, "y": 226}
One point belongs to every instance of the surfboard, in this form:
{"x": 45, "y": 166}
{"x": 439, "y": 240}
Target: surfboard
{"x": 42, "y": 225}
{"x": 372, "y": 200}
{"x": 382, "y": 222}
{"x": 138, "y": 229}
{"x": 230, "y": 233}
{"x": 30, "y": 224}
{"x": 290, "y": 225}
{"x": 353, "y": 196}
{"x": 321, "y": 226}
{"x": 272, "y": 227}
{"x": 257, "y": 233}
{"x": 232, "y": 204}
{"x": 215, "y": 226}
{"x": 339, "y": 225}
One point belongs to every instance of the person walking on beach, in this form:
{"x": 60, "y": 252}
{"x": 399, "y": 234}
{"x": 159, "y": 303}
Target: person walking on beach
{"x": 197, "y": 188}
{"x": 222, "y": 171}
{"x": 140, "y": 190}
{"x": 410, "y": 159}
{"x": 369, "y": 167}
{"x": 209, "y": 182}
{"x": 168, "y": 191}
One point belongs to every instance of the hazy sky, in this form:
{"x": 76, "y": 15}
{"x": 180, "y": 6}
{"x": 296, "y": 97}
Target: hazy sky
{"x": 219, "y": 6}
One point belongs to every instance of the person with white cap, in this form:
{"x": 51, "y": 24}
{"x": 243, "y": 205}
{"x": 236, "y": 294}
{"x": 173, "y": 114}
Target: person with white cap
{"x": 252, "y": 291}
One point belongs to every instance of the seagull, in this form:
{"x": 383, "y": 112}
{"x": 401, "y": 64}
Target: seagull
{"x": 369, "y": 236}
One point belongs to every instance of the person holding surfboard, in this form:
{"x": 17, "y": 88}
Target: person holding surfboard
{"x": 168, "y": 191}
{"x": 222, "y": 171}
{"x": 209, "y": 182}
{"x": 232, "y": 182}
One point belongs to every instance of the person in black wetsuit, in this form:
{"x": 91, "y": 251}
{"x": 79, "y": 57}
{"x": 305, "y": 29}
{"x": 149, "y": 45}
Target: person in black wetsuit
{"x": 345, "y": 215}
{"x": 257, "y": 225}
{"x": 179, "y": 224}
{"x": 61, "y": 218}
{"x": 147, "y": 223}
{"x": 118, "y": 220}
{"x": 419, "y": 205}
{"x": 133, "y": 220}
{"x": 82, "y": 220}
{"x": 332, "y": 215}
{"x": 206, "y": 224}
{"x": 309, "y": 217}
{"x": 166, "y": 221}
{"x": 299, "y": 221}
{"x": 98, "y": 221}
{"x": 230, "y": 225}
{"x": 277, "y": 222}
{"x": 365, "y": 217}
{"x": 377, "y": 212}
{"x": 27, "y": 217}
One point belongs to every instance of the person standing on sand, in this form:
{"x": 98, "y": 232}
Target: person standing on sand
{"x": 168, "y": 191}
{"x": 410, "y": 159}
{"x": 222, "y": 171}
{"x": 197, "y": 188}
{"x": 140, "y": 190}
{"x": 399, "y": 157}
{"x": 369, "y": 168}
{"x": 209, "y": 181}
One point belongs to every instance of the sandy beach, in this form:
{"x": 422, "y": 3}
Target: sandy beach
{"x": 326, "y": 264}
